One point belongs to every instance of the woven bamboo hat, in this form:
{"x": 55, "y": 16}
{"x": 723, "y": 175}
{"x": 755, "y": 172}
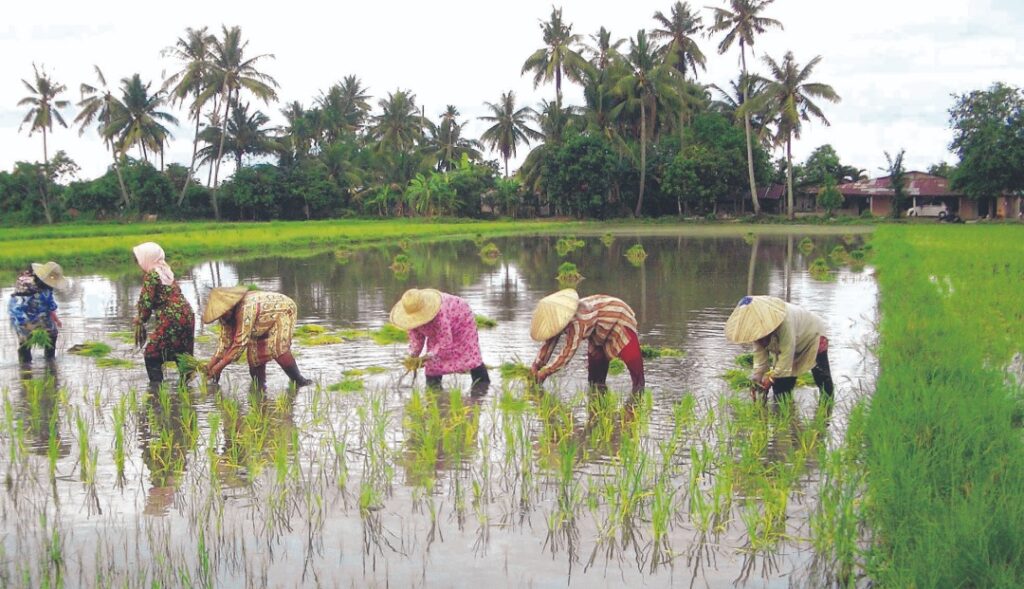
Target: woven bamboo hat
{"x": 553, "y": 313}
{"x": 222, "y": 299}
{"x": 50, "y": 274}
{"x": 754, "y": 318}
{"x": 417, "y": 307}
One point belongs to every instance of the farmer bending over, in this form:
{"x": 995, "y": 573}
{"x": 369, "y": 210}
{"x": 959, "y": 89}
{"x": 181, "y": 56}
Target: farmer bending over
{"x": 607, "y": 323}
{"x": 788, "y": 341}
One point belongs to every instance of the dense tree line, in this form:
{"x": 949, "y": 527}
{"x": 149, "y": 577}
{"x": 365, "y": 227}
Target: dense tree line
{"x": 649, "y": 139}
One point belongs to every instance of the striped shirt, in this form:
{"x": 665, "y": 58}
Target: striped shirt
{"x": 604, "y": 321}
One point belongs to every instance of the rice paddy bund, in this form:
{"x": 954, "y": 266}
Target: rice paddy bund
{"x": 368, "y": 479}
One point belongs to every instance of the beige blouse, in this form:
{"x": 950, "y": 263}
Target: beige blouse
{"x": 793, "y": 345}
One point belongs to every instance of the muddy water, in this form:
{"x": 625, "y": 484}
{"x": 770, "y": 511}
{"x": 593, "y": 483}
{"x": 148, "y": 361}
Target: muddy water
{"x": 306, "y": 530}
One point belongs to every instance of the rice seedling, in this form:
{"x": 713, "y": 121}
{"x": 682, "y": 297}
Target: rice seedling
{"x": 514, "y": 371}
{"x": 566, "y": 245}
{"x": 120, "y": 413}
{"x": 343, "y": 255}
{"x": 650, "y": 352}
{"x": 749, "y": 238}
{"x": 350, "y": 384}
{"x": 114, "y": 363}
{"x": 636, "y": 254}
{"x": 91, "y": 349}
{"x": 568, "y": 275}
{"x": 806, "y": 246}
{"x": 607, "y": 239}
{"x": 404, "y": 244}
{"x": 820, "y": 270}
{"x": 401, "y": 264}
{"x": 389, "y": 334}
{"x": 483, "y": 322}
{"x": 616, "y": 367}
{"x": 490, "y": 250}
{"x": 838, "y": 255}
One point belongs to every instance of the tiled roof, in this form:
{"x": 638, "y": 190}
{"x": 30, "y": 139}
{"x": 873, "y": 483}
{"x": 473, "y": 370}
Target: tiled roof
{"x": 917, "y": 184}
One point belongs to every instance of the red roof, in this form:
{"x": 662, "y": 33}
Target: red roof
{"x": 772, "y": 191}
{"x": 917, "y": 184}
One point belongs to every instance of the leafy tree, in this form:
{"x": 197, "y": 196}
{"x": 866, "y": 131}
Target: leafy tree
{"x": 399, "y": 126}
{"x": 943, "y": 169}
{"x": 307, "y": 191}
{"x": 988, "y": 135}
{"x": 508, "y": 195}
{"x": 190, "y": 83}
{"x": 558, "y": 57}
{"x": 788, "y": 100}
{"x": 898, "y": 181}
{"x": 510, "y": 127}
{"x": 470, "y": 181}
{"x": 44, "y": 109}
{"x": 824, "y": 163}
{"x": 252, "y": 192}
{"x": 829, "y": 197}
{"x": 247, "y": 134}
{"x": 740, "y": 22}
{"x": 580, "y": 174}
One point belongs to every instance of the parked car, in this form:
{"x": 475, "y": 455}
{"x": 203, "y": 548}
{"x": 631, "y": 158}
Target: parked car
{"x": 928, "y": 210}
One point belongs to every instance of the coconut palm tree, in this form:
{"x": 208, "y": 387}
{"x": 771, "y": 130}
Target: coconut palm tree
{"x": 510, "y": 127}
{"x": 648, "y": 81}
{"x": 190, "y": 82}
{"x": 740, "y": 22}
{"x": 678, "y": 30}
{"x": 730, "y": 100}
{"x": 230, "y": 73}
{"x": 557, "y": 57}
{"x": 788, "y": 100}
{"x": 345, "y": 107}
{"x": 446, "y": 143}
{"x": 97, "y": 106}
{"x": 247, "y": 134}
{"x": 136, "y": 120}
{"x": 399, "y": 126}
{"x": 44, "y": 110}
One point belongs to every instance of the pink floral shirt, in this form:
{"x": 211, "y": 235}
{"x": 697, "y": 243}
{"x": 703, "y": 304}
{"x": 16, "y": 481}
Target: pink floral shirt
{"x": 451, "y": 339}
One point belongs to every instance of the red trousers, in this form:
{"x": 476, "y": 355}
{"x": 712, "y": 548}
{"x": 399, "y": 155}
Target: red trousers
{"x": 597, "y": 363}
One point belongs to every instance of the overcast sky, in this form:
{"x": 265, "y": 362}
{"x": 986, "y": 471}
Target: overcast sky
{"x": 895, "y": 63}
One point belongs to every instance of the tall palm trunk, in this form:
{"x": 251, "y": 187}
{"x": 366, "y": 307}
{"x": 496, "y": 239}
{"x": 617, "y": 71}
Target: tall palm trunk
{"x": 643, "y": 156}
{"x": 506, "y": 166}
{"x": 220, "y": 150}
{"x": 125, "y": 198}
{"x": 46, "y": 182}
{"x": 789, "y": 175}
{"x": 192, "y": 164}
{"x": 746, "y": 127}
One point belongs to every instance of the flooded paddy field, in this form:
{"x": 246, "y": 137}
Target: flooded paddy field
{"x": 366, "y": 479}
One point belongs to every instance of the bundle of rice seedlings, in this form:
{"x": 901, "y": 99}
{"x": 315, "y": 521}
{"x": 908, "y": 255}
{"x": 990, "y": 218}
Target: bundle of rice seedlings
{"x": 607, "y": 239}
{"x": 114, "y": 363}
{"x": 616, "y": 366}
{"x": 39, "y": 339}
{"x": 413, "y": 363}
{"x": 653, "y": 352}
{"x": 483, "y": 322}
{"x": 389, "y": 334}
{"x": 187, "y": 364}
{"x": 514, "y": 371}
{"x": 90, "y": 349}
{"x": 806, "y": 245}
{"x": 490, "y": 250}
{"x": 636, "y": 254}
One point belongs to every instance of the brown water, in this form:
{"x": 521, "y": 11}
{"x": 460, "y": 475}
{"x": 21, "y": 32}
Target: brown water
{"x": 212, "y": 505}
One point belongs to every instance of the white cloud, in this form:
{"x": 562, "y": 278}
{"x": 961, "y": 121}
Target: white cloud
{"x": 894, "y": 63}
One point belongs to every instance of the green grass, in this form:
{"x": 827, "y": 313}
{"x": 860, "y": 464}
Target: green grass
{"x": 82, "y": 246}
{"x": 945, "y": 460}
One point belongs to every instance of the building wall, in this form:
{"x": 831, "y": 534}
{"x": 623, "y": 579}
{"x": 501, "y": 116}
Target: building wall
{"x": 968, "y": 208}
{"x": 881, "y": 206}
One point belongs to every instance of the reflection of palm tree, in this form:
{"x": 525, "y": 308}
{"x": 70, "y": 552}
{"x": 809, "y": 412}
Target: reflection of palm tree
{"x": 753, "y": 264}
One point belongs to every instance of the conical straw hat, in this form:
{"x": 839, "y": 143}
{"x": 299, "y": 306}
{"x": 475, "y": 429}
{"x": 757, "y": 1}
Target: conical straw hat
{"x": 754, "y": 318}
{"x": 51, "y": 274}
{"x": 417, "y": 307}
{"x": 553, "y": 313}
{"x": 222, "y": 299}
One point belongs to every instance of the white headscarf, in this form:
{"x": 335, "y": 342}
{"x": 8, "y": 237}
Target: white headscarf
{"x": 150, "y": 257}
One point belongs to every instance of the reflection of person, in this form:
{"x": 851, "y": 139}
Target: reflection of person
{"x": 32, "y": 307}
{"x": 607, "y": 323}
{"x": 259, "y": 323}
{"x": 446, "y": 326}
{"x": 161, "y": 298}
{"x": 789, "y": 338}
